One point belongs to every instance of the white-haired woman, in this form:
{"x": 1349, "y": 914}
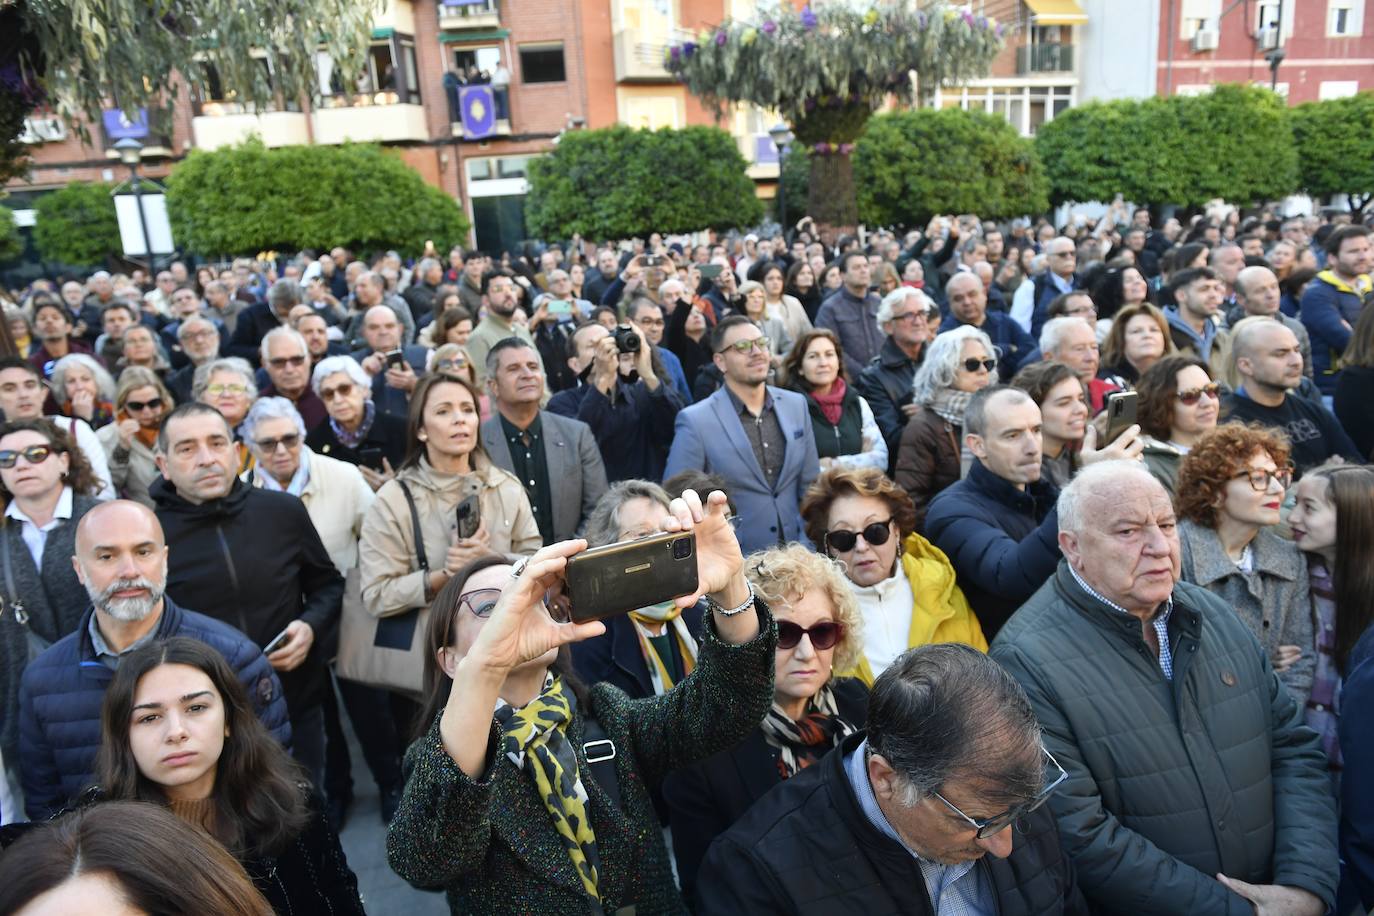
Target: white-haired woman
{"x": 83, "y": 389}
{"x": 356, "y": 431}
{"x": 931, "y": 455}
{"x": 230, "y": 386}
{"x": 819, "y": 633}
{"x": 141, "y": 402}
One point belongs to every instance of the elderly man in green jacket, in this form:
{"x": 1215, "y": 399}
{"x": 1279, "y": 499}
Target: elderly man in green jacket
{"x": 1194, "y": 786}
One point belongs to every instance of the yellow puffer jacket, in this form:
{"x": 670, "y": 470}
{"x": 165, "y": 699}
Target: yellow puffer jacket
{"x": 940, "y": 612}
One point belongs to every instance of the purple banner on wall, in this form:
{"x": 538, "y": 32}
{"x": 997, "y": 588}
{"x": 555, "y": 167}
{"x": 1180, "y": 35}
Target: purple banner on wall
{"x": 478, "y": 105}
{"x": 120, "y": 124}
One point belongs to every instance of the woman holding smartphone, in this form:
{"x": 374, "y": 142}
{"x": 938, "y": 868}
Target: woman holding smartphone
{"x": 504, "y": 810}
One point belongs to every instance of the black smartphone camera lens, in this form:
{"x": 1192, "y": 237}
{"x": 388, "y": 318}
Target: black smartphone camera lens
{"x": 682, "y": 548}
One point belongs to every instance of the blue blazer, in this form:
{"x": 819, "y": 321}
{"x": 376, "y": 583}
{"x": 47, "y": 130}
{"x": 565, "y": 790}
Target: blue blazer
{"x": 709, "y": 437}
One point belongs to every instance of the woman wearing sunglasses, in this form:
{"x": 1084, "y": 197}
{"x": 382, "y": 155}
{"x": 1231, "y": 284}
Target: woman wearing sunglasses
{"x": 521, "y": 810}
{"x": 1179, "y": 404}
{"x": 141, "y": 401}
{"x": 356, "y": 431}
{"x": 819, "y": 634}
{"x": 1230, "y": 488}
{"x": 47, "y": 486}
{"x": 932, "y": 455}
{"x": 904, "y": 585}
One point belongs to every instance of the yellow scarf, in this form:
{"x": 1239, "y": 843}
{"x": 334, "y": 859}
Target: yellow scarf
{"x": 670, "y": 615}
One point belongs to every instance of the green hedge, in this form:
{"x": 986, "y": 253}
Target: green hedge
{"x": 76, "y": 225}
{"x": 1334, "y": 153}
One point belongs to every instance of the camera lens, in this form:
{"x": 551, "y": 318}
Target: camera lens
{"x": 626, "y": 340}
{"x": 682, "y": 549}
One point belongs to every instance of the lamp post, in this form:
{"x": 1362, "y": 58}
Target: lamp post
{"x": 131, "y": 154}
{"x": 781, "y": 137}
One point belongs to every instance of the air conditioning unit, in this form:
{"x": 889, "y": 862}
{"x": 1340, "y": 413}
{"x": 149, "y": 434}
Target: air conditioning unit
{"x": 1267, "y": 38}
{"x": 1205, "y": 40}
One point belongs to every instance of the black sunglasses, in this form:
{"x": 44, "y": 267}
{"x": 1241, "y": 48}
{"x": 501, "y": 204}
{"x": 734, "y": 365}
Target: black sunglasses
{"x": 972, "y": 365}
{"x": 875, "y": 534}
{"x": 823, "y": 635}
{"x": 1192, "y": 395}
{"x": 140, "y": 406}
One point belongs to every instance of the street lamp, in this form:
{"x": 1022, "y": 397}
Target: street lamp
{"x": 131, "y": 154}
{"x": 781, "y": 137}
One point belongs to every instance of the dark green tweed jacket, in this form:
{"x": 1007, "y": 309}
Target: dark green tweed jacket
{"x": 491, "y": 844}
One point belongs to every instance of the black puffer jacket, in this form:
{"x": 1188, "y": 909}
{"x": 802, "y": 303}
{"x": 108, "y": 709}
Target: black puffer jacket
{"x": 808, "y": 848}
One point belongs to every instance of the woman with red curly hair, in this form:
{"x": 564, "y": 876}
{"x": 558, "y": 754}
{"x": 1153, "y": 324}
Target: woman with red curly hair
{"x": 1230, "y": 488}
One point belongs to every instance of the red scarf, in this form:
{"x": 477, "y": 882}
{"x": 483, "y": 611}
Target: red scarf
{"x": 832, "y": 404}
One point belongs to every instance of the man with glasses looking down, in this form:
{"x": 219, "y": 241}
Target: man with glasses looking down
{"x": 939, "y": 807}
{"x": 1193, "y": 785}
{"x": 757, "y": 437}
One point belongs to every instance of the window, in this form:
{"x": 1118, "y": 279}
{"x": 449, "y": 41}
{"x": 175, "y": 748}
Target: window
{"x": 1344, "y": 18}
{"x": 542, "y": 64}
{"x": 1337, "y": 89}
{"x": 388, "y": 78}
{"x": 1197, "y": 15}
{"x": 1267, "y": 17}
{"x": 215, "y": 100}
{"x": 467, "y": 59}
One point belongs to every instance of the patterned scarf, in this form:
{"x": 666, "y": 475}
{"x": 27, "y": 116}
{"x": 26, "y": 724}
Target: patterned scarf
{"x": 536, "y": 740}
{"x": 950, "y": 405}
{"x": 351, "y": 440}
{"x": 832, "y": 404}
{"x": 802, "y": 742}
{"x": 102, "y": 415}
{"x": 670, "y": 615}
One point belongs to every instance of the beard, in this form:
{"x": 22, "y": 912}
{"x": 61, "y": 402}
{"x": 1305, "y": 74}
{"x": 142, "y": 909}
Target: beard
{"x": 128, "y": 610}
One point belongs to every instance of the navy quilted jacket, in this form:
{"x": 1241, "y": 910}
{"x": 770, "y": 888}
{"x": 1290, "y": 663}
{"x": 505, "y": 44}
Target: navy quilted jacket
{"x": 62, "y": 691}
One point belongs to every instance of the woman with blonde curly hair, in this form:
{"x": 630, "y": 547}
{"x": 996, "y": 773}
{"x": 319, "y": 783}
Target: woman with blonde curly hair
{"x": 1230, "y": 489}
{"x": 819, "y": 633}
{"x": 904, "y": 585}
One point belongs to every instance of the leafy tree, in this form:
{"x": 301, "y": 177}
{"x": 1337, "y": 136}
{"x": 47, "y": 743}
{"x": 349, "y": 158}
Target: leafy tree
{"x": 11, "y": 245}
{"x": 913, "y": 164}
{"x": 1235, "y": 142}
{"x": 1333, "y": 148}
{"x": 76, "y": 225}
{"x": 249, "y": 198}
{"x": 618, "y": 183}
{"x": 826, "y": 70}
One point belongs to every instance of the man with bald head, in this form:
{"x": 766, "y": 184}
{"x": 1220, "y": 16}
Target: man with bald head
{"x": 395, "y": 369}
{"x": 369, "y": 291}
{"x": 968, "y": 304}
{"x": 1257, "y": 294}
{"x": 1193, "y": 785}
{"x": 1030, "y": 306}
{"x": 1268, "y": 365}
{"x": 121, "y": 559}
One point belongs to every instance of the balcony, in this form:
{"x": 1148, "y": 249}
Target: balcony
{"x": 639, "y": 56}
{"x": 468, "y": 15}
{"x": 1044, "y": 58}
{"x": 226, "y": 123}
{"x": 369, "y": 117}
{"x": 489, "y": 115}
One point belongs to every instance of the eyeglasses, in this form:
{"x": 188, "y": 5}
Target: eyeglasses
{"x": 875, "y": 535}
{"x": 823, "y": 635}
{"x": 1079, "y": 311}
{"x": 1259, "y": 480}
{"x": 992, "y": 826}
{"x": 456, "y": 363}
{"x": 1193, "y": 395}
{"x": 343, "y": 391}
{"x": 912, "y": 318}
{"x": 198, "y": 335}
{"x": 281, "y": 362}
{"x": 34, "y": 454}
{"x": 482, "y": 601}
{"x": 650, "y": 322}
{"x": 973, "y": 365}
{"x": 140, "y": 406}
{"x": 290, "y": 440}
{"x": 744, "y": 346}
{"x": 217, "y": 389}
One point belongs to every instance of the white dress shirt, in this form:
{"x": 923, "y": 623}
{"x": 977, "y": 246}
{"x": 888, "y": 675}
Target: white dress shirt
{"x": 35, "y": 537}
{"x": 886, "y": 609}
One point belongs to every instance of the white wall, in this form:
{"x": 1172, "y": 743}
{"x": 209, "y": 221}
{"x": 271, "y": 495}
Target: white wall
{"x": 1118, "y": 49}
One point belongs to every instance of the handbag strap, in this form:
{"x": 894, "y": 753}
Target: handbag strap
{"x": 10, "y": 593}
{"x": 421, "y": 560}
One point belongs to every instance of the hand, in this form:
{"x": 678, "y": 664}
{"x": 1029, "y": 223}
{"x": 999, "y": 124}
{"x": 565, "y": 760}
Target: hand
{"x": 83, "y": 405}
{"x": 300, "y": 637}
{"x": 634, "y": 269}
{"x": 1286, "y": 657}
{"x": 720, "y": 563}
{"x": 827, "y": 464}
{"x": 372, "y": 363}
{"x": 1276, "y": 899}
{"x": 375, "y": 479}
{"x": 402, "y": 377}
{"x": 464, "y": 550}
{"x": 1127, "y": 446}
{"x": 605, "y": 365}
{"x": 520, "y": 628}
{"x": 127, "y": 430}
{"x": 911, "y": 410}
{"x": 541, "y": 313}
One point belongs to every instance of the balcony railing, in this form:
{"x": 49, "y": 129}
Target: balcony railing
{"x": 1044, "y": 58}
{"x": 487, "y": 122}
{"x": 481, "y": 14}
{"x": 640, "y": 55}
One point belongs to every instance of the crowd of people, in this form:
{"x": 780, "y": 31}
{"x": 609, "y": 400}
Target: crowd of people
{"x": 964, "y": 639}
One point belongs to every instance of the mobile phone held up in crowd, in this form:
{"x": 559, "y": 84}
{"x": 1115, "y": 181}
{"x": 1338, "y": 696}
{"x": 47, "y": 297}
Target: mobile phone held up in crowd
{"x": 469, "y": 516}
{"x": 654, "y": 260}
{"x": 623, "y": 577}
{"x": 277, "y": 642}
{"x": 395, "y": 359}
{"x": 709, "y": 271}
{"x": 1121, "y": 408}
{"x": 370, "y": 456}
{"x": 560, "y": 307}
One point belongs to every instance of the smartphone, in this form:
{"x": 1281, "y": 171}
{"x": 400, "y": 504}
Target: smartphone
{"x": 469, "y": 516}
{"x": 370, "y": 456}
{"x": 709, "y": 271}
{"x": 395, "y": 359}
{"x": 277, "y": 642}
{"x": 654, "y": 260}
{"x": 1121, "y": 409}
{"x": 623, "y": 577}
{"x": 560, "y": 307}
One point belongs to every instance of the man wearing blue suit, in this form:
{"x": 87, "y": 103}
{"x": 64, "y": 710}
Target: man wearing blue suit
{"x": 757, "y": 437}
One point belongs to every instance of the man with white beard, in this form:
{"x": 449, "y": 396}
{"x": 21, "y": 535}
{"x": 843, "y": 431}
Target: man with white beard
{"x": 121, "y": 558}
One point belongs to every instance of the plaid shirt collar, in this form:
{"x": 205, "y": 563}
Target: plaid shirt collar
{"x": 1160, "y": 621}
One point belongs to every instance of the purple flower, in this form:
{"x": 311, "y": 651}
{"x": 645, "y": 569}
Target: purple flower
{"x": 846, "y": 149}
{"x": 822, "y": 148}
{"x": 721, "y": 38}
{"x": 968, "y": 17}
{"x": 982, "y": 22}
{"x": 808, "y": 18}
{"x": 689, "y": 48}
{"x": 920, "y": 20}
{"x": 675, "y": 54}
{"x": 769, "y": 27}
{"x": 809, "y": 104}
{"x": 1001, "y": 30}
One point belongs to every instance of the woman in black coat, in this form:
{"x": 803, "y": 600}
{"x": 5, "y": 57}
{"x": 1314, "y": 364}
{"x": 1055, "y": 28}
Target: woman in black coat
{"x": 688, "y": 336}
{"x": 355, "y": 431}
{"x": 819, "y": 633}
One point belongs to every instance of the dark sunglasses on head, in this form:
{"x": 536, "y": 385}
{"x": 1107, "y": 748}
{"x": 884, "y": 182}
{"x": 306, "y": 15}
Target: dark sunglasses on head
{"x": 823, "y": 635}
{"x": 875, "y": 535}
{"x": 34, "y": 454}
{"x": 1193, "y": 395}
{"x": 140, "y": 406}
{"x": 972, "y": 365}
